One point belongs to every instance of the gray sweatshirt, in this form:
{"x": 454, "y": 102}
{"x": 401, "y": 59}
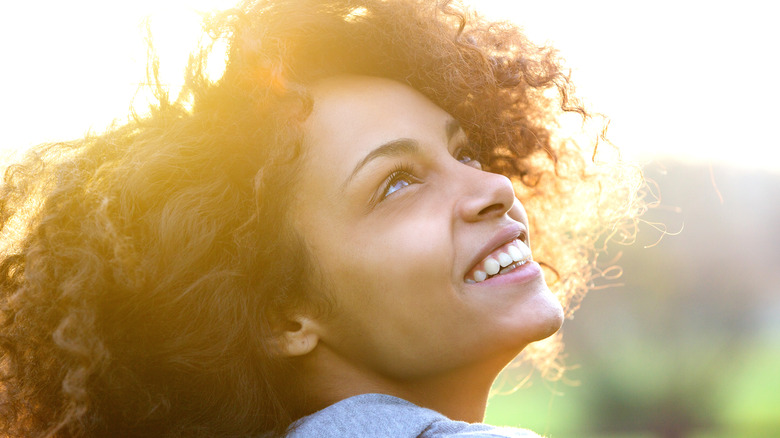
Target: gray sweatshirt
{"x": 384, "y": 416}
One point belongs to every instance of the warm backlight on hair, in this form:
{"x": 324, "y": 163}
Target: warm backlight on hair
{"x": 671, "y": 83}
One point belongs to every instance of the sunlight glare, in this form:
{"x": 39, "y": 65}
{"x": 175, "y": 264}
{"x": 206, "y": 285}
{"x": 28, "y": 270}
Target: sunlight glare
{"x": 697, "y": 84}
{"x": 672, "y": 84}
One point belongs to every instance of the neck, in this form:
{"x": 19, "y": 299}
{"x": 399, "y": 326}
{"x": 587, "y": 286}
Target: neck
{"x": 460, "y": 394}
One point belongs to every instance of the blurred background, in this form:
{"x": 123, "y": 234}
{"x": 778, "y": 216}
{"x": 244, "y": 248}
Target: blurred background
{"x": 687, "y": 341}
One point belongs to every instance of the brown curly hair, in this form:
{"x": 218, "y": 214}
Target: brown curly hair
{"x": 141, "y": 272}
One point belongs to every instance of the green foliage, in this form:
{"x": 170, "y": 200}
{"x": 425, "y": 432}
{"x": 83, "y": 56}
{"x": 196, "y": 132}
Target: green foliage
{"x": 740, "y": 398}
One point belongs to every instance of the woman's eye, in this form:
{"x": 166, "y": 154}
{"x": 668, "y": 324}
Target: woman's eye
{"x": 399, "y": 183}
{"x": 399, "y": 179}
{"x": 468, "y": 157}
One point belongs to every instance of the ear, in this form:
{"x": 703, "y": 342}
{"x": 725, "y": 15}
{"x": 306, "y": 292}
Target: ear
{"x": 298, "y": 337}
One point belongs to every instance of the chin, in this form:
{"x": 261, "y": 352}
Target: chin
{"x": 554, "y": 319}
{"x": 547, "y": 318}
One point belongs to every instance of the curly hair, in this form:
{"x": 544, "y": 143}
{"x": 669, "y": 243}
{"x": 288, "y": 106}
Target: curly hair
{"x": 144, "y": 268}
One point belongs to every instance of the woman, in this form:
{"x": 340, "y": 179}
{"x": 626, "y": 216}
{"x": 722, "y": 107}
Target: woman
{"x": 327, "y": 241}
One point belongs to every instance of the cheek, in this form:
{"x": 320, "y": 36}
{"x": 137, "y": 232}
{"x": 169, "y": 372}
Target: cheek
{"x": 387, "y": 270}
{"x": 389, "y": 289}
{"x": 390, "y": 246}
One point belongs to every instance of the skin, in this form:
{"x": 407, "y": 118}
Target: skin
{"x": 393, "y": 251}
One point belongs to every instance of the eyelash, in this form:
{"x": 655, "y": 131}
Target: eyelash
{"x": 400, "y": 171}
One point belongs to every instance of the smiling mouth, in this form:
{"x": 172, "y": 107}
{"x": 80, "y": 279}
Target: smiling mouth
{"x": 507, "y": 258}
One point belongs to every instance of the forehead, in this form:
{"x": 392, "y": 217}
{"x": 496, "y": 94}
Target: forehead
{"x": 352, "y": 115}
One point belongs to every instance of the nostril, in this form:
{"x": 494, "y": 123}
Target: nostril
{"x": 492, "y": 209}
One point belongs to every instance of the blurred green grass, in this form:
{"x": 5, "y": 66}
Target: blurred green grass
{"x": 633, "y": 398}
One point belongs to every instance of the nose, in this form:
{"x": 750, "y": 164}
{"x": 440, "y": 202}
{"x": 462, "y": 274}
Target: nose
{"x": 485, "y": 195}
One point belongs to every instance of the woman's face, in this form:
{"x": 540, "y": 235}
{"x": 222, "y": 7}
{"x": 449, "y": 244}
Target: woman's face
{"x": 399, "y": 219}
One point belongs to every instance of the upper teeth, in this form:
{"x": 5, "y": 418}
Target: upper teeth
{"x": 515, "y": 254}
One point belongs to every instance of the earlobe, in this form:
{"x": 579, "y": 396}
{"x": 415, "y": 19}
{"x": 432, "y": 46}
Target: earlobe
{"x": 299, "y": 338}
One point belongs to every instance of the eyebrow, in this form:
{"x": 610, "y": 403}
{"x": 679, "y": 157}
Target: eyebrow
{"x": 399, "y": 147}
{"x": 393, "y": 148}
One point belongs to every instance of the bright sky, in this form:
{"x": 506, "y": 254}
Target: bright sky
{"x": 693, "y": 79}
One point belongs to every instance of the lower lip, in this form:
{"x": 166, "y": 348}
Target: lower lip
{"x": 521, "y": 274}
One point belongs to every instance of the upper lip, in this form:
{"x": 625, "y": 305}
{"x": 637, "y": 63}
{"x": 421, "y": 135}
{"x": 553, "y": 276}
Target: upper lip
{"x": 506, "y": 234}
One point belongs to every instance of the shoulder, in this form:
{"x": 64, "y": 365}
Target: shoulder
{"x": 459, "y": 429}
{"x": 384, "y": 416}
